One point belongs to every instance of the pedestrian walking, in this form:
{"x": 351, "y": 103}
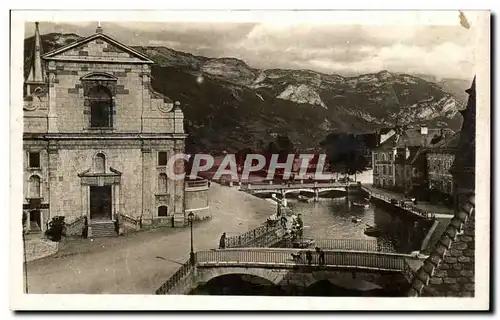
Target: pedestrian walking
{"x": 321, "y": 256}
{"x": 222, "y": 241}
{"x": 309, "y": 257}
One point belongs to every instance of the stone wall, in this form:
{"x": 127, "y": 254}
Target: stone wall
{"x": 39, "y": 248}
{"x": 438, "y": 168}
{"x": 197, "y": 202}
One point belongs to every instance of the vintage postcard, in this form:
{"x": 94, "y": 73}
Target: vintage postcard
{"x": 161, "y": 160}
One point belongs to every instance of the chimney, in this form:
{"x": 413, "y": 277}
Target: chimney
{"x": 423, "y": 129}
{"x": 99, "y": 28}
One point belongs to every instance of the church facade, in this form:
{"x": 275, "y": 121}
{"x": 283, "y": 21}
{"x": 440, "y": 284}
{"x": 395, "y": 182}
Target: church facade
{"x": 97, "y": 139}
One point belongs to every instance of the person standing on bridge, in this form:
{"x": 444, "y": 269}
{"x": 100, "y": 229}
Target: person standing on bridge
{"x": 321, "y": 256}
{"x": 283, "y": 221}
{"x": 300, "y": 225}
{"x": 222, "y": 241}
{"x": 309, "y": 257}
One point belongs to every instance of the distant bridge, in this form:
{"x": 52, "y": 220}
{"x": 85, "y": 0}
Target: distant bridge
{"x": 314, "y": 189}
{"x": 276, "y": 264}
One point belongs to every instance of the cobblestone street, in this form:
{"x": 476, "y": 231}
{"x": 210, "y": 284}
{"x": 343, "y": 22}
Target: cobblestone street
{"x": 139, "y": 263}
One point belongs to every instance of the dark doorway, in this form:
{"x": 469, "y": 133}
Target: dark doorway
{"x": 100, "y": 203}
{"x": 35, "y": 221}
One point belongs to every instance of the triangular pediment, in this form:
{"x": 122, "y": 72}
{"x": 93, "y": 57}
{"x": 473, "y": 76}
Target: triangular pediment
{"x": 98, "y": 47}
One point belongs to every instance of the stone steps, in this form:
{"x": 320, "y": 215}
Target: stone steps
{"x": 102, "y": 229}
{"x": 34, "y": 227}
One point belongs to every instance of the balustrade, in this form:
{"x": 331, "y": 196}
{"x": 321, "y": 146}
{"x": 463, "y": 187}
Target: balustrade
{"x": 282, "y": 258}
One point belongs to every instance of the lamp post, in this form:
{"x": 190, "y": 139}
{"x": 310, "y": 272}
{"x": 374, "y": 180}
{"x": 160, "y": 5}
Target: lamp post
{"x": 25, "y": 262}
{"x": 191, "y": 253}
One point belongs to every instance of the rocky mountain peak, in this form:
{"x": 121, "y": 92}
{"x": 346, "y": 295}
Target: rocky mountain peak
{"x": 239, "y": 105}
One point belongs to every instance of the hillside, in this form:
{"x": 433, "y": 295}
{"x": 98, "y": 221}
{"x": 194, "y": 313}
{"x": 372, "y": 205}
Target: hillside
{"x": 230, "y": 105}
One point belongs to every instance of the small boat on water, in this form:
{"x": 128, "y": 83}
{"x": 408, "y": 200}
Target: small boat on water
{"x": 304, "y": 198}
{"x": 373, "y": 231}
{"x": 360, "y": 204}
{"x": 355, "y": 220}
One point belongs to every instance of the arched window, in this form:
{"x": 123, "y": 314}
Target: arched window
{"x": 383, "y": 157}
{"x": 34, "y": 187}
{"x": 100, "y": 163}
{"x": 162, "y": 183}
{"x": 101, "y": 107}
{"x": 162, "y": 211}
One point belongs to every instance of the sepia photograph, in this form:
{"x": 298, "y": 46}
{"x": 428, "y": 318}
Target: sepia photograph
{"x": 255, "y": 154}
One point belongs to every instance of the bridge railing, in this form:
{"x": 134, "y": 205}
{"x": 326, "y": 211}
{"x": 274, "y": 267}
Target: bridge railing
{"x": 279, "y": 258}
{"x": 353, "y": 244}
{"x": 182, "y": 272}
{"x": 250, "y": 236}
{"x": 274, "y": 257}
{"x": 285, "y": 185}
{"x": 405, "y": 206}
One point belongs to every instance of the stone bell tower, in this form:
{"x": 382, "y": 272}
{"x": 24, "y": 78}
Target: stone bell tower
{"x": 36, "y": 76}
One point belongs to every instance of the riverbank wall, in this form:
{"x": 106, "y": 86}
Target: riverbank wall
{"x": 245, "y": 211}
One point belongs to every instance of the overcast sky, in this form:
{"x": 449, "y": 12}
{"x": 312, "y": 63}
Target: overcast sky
{"x": 442, "y": 51}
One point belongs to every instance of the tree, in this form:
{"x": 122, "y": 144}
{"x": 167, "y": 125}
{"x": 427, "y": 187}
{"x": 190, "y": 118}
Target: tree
{"x": 284, "y": 143}
{"x": 272, "y": 148}
{"x": 346, "y": 151}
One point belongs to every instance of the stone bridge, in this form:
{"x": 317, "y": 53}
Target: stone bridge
{"x": 275, "y": 266}
{"x": 314, "y": 189}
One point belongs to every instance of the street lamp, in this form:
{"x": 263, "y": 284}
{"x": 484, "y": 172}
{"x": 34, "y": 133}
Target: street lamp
{"x": 191, "y": 253}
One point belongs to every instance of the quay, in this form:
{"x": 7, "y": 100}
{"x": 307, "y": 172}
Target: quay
{"x": 421, "y": 209}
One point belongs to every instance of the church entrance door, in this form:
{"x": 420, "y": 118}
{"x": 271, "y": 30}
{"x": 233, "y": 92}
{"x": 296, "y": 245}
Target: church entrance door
{"x": 100, "y": 203}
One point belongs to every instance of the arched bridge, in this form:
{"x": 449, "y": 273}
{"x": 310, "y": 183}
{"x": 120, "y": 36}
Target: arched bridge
{"x": 312, "y": 188}
{"x": 277, "y": 266}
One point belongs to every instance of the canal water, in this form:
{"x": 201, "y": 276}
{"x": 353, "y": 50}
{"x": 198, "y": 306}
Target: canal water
{"x": 332, "y": 218}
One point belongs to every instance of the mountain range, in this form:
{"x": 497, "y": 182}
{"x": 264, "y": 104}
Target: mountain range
{"x": 229, "y": 105}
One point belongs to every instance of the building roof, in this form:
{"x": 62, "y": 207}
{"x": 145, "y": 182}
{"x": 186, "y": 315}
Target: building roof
{"x": 55, "y": 54}
{"x": 385, "y": 130}
{"x": 449, "y": 143}
{"x": 419, "y": 152}
{"x": 449, "y": 256}
{"x": 411, "y": 138}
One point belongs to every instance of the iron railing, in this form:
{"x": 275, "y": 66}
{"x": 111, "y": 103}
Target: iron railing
{"x": 402, "y": 205}
{"x": 284, "y": 258}
{"x": 182, "y": 272}
{"x": 353, "y": 244}
{"x": 251, "y": 237}
{"x": 257, "y": 185}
